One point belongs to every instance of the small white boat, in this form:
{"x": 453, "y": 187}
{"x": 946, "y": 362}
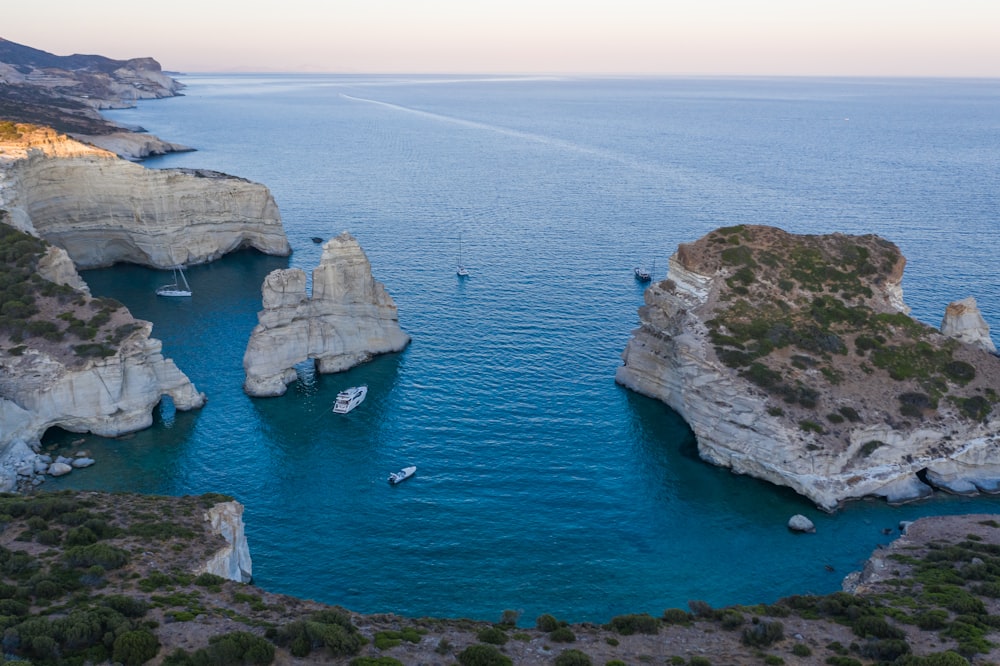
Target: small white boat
{"x": 175, "y": 289}
{"x": 642, "y": 274}
{"x": 349, "y": 398}
{"x": 461, "y": 270}
{"x": 401, "y": 475}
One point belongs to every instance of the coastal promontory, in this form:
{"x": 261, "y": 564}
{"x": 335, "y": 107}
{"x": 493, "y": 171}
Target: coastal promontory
{"x": 794, "y": 359}
{"x": 103, "y": 210}
{"x": 69, "y": 360}
{"x": 348, "y": 319}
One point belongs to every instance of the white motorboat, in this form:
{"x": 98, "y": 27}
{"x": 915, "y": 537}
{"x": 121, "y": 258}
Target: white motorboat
{"x": 401, "y": 475}
{"x": 349, "y": 398}
{"x": 176, "y": 289}
{"x": 643, "y": 274}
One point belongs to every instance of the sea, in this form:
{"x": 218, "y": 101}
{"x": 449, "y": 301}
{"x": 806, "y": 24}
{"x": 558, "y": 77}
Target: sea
{"x": 542, "y": 486}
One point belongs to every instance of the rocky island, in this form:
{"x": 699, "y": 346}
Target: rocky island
{"x": 349, "y": 318}
{"x": 794, "y": 360}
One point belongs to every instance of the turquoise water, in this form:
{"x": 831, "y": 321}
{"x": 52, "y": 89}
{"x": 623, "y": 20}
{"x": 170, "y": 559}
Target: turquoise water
{"x": 542, "y": 486}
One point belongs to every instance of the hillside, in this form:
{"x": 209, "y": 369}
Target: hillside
{"x": 88, "y": 577}
{"x": 67, "y": 92}
{"x": 794, "y": 359}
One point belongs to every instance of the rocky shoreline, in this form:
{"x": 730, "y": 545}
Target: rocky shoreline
{"x": 794, "y": 360}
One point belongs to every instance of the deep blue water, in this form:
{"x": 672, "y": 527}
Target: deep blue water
{"x": 542, "y": 485}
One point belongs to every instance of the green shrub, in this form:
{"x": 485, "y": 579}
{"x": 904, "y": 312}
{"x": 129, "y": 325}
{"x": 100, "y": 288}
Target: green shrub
{"x": 773, "y": 660}
{"x": 483, "y": 655}
{"x": 676, "y": 616}
{"x": 732, "y": 619}
{"x": 636, "y": 623}
{"x": 375, "y": 661}
{"x": 948, "y": 658}
{"x": 573, "y": 658}
{"x": 546, "y": 622}
{"x": 871, "y": 626}
{"x": 763, "y": 634}
{"x": 101, "y": 554}
{"x": 492, "y": 635}
{"x": 801, "y": 650}
{"x": 127, "y": 606}
{"x": 562, "y": 635}
{"x": 209, "y": 580}
{"x": 699, "y": 661}
{"x": 135, "y": 647}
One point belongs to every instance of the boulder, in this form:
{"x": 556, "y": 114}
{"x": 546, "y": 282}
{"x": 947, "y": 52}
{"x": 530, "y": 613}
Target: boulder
{"x": 59, "y": 469}
{"x": 799, "y": 523}
{"x": 963, "y": 321}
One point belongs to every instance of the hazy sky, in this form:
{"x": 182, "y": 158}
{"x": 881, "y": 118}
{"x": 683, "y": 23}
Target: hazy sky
{"x": 795, "y": 37}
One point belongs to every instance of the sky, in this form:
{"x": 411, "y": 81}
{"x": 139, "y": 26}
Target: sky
{"x": 935, "y": 38}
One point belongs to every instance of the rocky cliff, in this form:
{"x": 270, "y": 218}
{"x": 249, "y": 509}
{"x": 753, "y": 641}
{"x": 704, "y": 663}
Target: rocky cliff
{"x": 103, "y": 210}
{"x": 69, "y": 360}
{"x": 66, "y": 93}
{"x": 232, "y": 561}
{"x": 793, "y": 360}
{"x": 348, "y": 319}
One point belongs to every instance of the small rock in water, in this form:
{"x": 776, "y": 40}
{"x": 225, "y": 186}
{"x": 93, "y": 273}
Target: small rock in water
{"x": 64, "y": 460}
{"x": 83, "y": 462}
{"x": 799, "y": 523}
{"x": 59, "y": 469}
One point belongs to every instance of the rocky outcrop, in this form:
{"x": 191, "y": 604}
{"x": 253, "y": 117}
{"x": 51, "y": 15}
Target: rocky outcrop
{"x": 792, "y": 359}
{"x": 349, "y": 318}
{"x": 232, "y": 561}
{"x": 963, "y": 321}
{"x": 103, "y": 210}
{"x": 107, "y": 396}
{"x": 68, "y": 360}
{"x": 132, "y": 145}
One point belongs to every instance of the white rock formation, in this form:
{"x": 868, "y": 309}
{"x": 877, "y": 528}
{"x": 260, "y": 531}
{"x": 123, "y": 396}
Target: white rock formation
{"x": 799, "y": 523}
{"x": 103, "y": 210}
{"x": 349, "y": 318}
{"x": 963, "y": 321}
{"x": 232, "y": 561}
{"x": 132, "y": 145}
{"x": 107, "y": 396}
{"x": 738, "y": 425}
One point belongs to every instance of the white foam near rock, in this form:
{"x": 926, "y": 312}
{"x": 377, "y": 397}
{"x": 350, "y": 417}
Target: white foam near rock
{"x": 348, "y": 319}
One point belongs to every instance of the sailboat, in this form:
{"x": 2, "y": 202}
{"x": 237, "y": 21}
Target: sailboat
{"x": 461, "y": 271}
{"x": 175, "y": 289}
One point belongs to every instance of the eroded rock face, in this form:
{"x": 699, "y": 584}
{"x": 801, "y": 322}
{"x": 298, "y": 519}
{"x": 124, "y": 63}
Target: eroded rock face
{"x": 103, "y": 210}
{"x": 107, "y": 396}
{"x": 963, "y": 321}
{"x": 792, "y": 359}
{"x": 102, "y": 373}
{"x": 349, "y": 318}
{"x": 233, "y": 560}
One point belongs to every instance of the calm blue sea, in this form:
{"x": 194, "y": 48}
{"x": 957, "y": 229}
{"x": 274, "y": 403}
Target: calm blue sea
{"x": 542, "y": 485}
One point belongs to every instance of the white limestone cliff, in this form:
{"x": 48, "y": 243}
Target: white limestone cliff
{"x": 232, "y": 561}
{"x": 103, "y": 210}
{"x": 963, "y": 321}
{"x": 107, "y": 396}
{"x": 348, "y": 319}
{"x": 673, "y": 357}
